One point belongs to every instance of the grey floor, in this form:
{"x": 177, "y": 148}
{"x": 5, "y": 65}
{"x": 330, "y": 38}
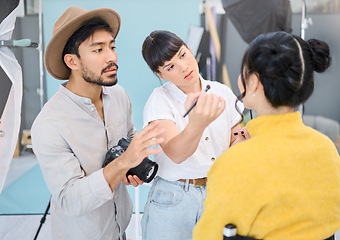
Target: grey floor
{"x": 25, "y": 227}
{"x": 22, "y": 227}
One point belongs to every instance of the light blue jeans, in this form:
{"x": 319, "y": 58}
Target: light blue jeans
{"x": 172, "y": 210}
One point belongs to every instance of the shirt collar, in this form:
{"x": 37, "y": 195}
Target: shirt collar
{"x": 77, "y": 98}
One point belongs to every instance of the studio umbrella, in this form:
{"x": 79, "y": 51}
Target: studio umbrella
{"x": 11, "y": 86}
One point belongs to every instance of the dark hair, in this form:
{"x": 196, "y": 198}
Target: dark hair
{"x": 159, "y": 47}
{"x": 285, "y": 64}
{"x": 85, "y": 31}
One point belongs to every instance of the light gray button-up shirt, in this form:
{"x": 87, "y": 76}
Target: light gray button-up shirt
{"x": 70, "y": 141}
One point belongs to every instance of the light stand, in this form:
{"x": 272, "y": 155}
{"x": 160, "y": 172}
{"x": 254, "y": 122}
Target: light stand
{"x": 305, "y": 22}
{"x": 42, "y": 221}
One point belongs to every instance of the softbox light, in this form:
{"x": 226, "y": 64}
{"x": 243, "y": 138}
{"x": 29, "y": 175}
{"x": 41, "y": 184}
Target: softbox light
{"x": 254, "y": 17}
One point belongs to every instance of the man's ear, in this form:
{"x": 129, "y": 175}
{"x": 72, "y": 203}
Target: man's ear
{"x": 71, "y": 60}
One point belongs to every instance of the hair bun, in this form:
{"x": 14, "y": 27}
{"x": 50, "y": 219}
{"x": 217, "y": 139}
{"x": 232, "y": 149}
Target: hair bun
{"x": 321, "y": 55}
{"x": 272, "y": 61}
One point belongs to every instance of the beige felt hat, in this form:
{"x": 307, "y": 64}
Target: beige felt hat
{"x": 69, "y": 22}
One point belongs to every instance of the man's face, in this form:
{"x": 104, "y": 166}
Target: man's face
{"x": 98, "y": 59}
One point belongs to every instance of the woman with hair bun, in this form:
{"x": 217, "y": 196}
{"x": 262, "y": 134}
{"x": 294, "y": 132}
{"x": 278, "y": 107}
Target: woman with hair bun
{"x": 284, "y": 182}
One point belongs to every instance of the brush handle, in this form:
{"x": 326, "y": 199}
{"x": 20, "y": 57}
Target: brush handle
{"x": 194, "y": 104}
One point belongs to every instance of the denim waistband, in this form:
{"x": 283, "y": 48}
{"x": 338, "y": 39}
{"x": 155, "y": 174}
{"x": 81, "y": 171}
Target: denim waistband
{"x": 179, "y": 183}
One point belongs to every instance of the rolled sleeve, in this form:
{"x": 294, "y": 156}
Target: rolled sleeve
{"x": 99, "y": 186}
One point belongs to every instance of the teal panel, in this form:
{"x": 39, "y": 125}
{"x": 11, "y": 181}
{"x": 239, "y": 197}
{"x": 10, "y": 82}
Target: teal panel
{"x": 26, "y": 195}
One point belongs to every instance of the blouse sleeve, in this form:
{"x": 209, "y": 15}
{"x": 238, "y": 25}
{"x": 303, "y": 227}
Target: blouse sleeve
{"x": 158, "y": 106}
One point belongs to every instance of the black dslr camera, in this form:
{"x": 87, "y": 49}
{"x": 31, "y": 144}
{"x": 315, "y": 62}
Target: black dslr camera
{"x": 146, "y": 170}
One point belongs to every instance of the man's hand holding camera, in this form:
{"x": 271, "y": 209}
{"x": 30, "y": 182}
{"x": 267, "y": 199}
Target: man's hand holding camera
{"x": 138, "y": 149}
{"x": 132, "y": 180}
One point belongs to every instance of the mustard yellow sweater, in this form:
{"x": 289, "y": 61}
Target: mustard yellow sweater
{"x": 283, "y": 183}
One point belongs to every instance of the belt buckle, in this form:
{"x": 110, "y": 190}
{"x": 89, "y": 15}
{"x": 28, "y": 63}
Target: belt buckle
{"x": 196, "y": 184}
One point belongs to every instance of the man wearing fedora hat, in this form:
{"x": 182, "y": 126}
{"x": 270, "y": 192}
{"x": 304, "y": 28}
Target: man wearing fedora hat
{"x": 76, "y": 127}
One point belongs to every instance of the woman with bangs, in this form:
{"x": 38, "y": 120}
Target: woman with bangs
{"x": 191, "y": 143}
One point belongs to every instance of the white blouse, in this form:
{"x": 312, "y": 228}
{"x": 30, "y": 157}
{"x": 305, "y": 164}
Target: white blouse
{"x": 167, "y": 102}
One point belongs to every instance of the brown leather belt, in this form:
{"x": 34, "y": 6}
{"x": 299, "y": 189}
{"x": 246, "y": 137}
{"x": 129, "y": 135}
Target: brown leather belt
{"x": 199, "y": 182}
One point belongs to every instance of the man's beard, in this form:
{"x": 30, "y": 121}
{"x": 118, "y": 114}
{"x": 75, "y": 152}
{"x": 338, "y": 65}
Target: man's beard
{"x": 91, "y": 78}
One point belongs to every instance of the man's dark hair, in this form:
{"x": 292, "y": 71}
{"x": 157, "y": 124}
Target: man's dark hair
{"x": 83, "y": 33}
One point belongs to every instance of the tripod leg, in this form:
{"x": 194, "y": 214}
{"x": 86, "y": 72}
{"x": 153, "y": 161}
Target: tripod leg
{"x": 42, "y": 221}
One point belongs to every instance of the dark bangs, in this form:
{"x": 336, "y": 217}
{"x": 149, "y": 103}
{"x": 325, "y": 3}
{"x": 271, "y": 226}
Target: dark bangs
{"x": 160, "y": 47}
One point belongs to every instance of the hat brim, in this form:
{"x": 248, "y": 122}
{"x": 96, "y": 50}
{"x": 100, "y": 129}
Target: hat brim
{"x": 54, "y": 62}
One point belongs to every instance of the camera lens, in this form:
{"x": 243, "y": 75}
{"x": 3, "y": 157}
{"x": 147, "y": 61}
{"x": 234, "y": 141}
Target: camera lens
{"x": 150, "y": 172}
{"x": 146, "y": 170}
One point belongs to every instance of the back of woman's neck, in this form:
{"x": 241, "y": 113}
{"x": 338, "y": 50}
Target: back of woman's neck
{"x": 274, "y": 111}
